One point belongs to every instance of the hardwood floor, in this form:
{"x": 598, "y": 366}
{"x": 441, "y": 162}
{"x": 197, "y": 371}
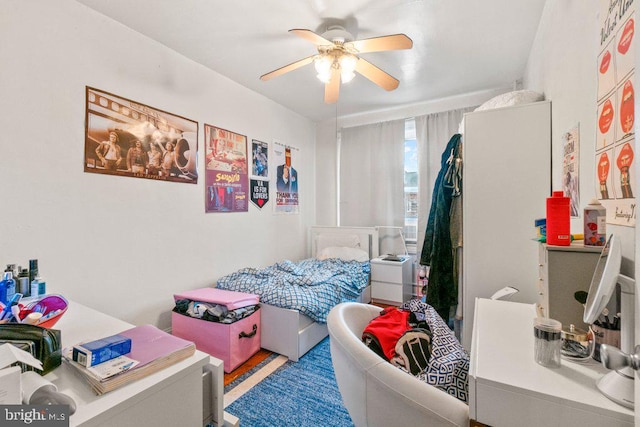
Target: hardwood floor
{"x": 246, "y": 366}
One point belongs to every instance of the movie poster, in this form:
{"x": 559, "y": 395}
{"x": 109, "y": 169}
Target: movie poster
{"x": 615, "y": 138}
{"x": 127, "y": 138}
{"x": 260, "y": 160}
{"x": 226, "y": 172}
{"x": 571, "y": 169}
{"x": 286, "y": 179}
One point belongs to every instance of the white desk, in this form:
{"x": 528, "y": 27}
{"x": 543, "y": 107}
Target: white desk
{"x": 508, "y": 388}
{"x": 171, "y": 397}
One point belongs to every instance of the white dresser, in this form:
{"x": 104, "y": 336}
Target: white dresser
{"x": 391, "y": 281}
{"x": 188, "y": 393}
{"x": 508, "y": 388}
{"x": 563, "y": 270}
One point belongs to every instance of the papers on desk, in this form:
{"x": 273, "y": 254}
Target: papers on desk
{"x": 151, "y": 351}
{"x": 10, "y": 376}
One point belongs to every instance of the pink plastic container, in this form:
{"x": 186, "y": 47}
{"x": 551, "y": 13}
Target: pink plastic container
{"x": 233, "y": 343}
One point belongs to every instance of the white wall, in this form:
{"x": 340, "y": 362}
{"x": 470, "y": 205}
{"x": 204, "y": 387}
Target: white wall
{"x": 125, "y": 245}
{"x": 563, "y": 65}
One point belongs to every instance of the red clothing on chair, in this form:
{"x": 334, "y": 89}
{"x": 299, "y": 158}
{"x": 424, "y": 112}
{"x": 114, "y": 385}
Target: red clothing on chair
{"x": 387, "y": 328}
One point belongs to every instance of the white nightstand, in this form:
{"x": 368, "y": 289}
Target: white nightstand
{"x": 391, "y": 280}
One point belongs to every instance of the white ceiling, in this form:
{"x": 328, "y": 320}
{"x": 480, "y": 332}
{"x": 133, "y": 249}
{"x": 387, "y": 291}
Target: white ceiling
{"x": 459, "y": 46}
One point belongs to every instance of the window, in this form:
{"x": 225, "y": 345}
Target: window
{"x": 410, "y": 182}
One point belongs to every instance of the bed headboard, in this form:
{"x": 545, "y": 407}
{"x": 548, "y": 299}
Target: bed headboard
{"x": 365, "y": 238}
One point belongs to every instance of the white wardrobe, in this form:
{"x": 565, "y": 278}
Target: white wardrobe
{"x": 506, "y": 180}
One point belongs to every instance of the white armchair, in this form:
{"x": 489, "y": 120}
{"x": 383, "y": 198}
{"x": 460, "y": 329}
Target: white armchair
{"x": 376, "y": 393}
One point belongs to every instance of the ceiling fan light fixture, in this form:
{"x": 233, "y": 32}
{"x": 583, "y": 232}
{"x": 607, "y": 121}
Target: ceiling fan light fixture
{"x": 324, "y": 77}
{"x": 323, "y": 65}
{"x": 346, "y": 77}
{"x": 347, "y": 67}
{"x": 337, "y": 59}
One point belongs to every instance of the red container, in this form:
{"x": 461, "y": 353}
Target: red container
{"x": 233, "y": 343}
{"x": 558, "y": 220}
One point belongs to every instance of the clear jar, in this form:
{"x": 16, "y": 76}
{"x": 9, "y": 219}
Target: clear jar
{"x": 547, "y": 341}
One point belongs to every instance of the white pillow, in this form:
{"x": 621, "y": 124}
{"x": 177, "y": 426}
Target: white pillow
{"x": 511, "y": 98}
{"x": 335, "y": 239}
{"x": 344, "y": 253}
{"x": 508, "y": 99}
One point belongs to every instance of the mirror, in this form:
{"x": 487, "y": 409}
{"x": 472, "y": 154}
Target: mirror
{"x": 605, "y": 278}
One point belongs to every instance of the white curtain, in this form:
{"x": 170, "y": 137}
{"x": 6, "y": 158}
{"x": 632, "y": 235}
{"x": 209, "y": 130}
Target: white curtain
{"x": 372, "y": 175}
{"x": 433, "y": 132}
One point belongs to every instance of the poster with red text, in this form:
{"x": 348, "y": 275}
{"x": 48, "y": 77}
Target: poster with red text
{"x": 226, "y": 171}
{"x": 286, "y": 179}
{"x": 615, "y": 137}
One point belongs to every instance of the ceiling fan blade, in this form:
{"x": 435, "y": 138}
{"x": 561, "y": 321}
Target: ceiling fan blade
{"x": 287, "y": 68}
{"x": 312, "y": 37}
{"x": 376, "y": 75}
{"x": 379, "y": 44}
{"x": 332, "y": 87}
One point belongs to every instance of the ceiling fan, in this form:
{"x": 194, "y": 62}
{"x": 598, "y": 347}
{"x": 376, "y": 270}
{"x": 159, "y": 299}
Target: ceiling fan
{"x": 337, "y": 59}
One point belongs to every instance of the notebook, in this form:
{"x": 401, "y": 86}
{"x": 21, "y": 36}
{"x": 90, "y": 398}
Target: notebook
{"x": 153, "y": 349}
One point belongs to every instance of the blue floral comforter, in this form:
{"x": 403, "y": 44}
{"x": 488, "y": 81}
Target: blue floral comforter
{"x": 311, "y": 286}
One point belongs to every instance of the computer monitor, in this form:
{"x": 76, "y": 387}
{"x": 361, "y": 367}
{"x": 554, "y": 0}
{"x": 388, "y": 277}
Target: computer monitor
{"x": 616, "y": 385}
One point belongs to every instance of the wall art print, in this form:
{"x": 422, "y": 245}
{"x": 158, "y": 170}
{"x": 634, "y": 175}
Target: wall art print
{"x": 287, "y": 181}
{"x": 615, "y": 136}
{"x": 259, "y": 192}
{"x": 127, "y": 138}
{"x": 260, "y": 160}
{"x": 259, "y": 185}
{"x": 571, "y": 168}
{"x": 226, "y": 172}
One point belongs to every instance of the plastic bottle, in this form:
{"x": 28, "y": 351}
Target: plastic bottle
{"x": 42, "y": 286}
{"x": 3, "y": 292}
{"x": 33, "y": 269}
{"x": 595, "y": 224}
{"x": 35, "y": 286}
{"x": 23, "y": 282}
{"x": 10, "y": 285}
{"x": 558, "y": 220}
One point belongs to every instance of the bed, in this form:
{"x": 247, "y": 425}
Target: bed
{"x": 290, "y": 331}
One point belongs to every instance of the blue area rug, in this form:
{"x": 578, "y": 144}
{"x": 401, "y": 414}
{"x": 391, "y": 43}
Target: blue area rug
{"x": 303, "y": 393}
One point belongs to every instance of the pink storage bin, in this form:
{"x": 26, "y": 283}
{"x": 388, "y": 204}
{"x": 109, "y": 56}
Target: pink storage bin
{"x": 233, "y": 343}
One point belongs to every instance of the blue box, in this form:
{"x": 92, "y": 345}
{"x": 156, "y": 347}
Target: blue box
{"x": 96, "y": 352}
{"x": 541, "y": 227}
